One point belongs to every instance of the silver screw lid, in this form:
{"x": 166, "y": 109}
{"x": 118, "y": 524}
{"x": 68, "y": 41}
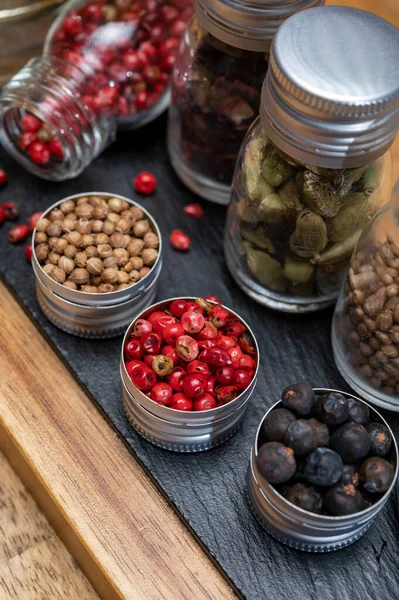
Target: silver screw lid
{"x": 247, "y": 24}
{"x": 331, "y": 94}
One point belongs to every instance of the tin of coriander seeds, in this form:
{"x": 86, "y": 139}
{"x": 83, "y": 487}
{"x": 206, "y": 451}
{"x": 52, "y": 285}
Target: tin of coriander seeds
{"x": 191, "y": 429}
{"x": 311, "y": 531}
{"x": 97, "y": 258}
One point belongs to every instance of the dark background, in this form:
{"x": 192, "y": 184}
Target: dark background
{"x": 209, "y": 488}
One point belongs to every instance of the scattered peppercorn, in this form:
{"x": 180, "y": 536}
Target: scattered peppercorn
{"x": 18, "y": 234}
{"x": 28, "y": 252}
{"x": 194, "y": 210}
{"x": 33, "y": 219}
{"x": 179, "y": 240}
{"x": 3, "y": 177}
{"x": 11, "y": 211}
{"x": 145, "y": 183}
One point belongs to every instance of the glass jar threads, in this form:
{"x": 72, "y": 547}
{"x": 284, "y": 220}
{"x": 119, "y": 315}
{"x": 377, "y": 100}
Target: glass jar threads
{"x": 105, "y": 65}
{"x": 220, "y": 67}
{"x": 315, "y": 167}
{"x": 365, "y": 330}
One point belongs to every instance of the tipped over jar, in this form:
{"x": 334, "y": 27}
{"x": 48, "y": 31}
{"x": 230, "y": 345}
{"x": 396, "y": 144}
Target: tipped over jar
{"x": 105, "y": 66}
{"x": 315, "y": 167}
{"x": 220, "y": 67}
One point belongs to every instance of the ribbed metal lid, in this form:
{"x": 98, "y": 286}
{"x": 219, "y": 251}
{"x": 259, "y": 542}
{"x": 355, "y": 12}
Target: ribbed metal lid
{"x": 19, "y": 10}
{"x": 248, "y": 24}
{"x": 331, "y": 95}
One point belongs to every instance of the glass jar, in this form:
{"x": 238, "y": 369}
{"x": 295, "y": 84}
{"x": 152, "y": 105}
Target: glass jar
{"x": 105, "y": 66}
{"x": 315, "y": 167}
{"x": 221, "y": 63}
{"x": 365, "y": 331}
{"x": 23, "y": 27}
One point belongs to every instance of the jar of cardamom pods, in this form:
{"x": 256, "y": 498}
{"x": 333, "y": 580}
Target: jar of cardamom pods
{"x": 365, "y": 331}
{"x": 315, "y": 166}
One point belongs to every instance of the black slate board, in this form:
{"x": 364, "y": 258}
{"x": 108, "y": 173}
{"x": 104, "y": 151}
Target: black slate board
{"x": 209, "y": 488}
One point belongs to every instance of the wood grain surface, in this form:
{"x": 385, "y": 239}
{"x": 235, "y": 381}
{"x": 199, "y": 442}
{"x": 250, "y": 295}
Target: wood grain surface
{"x": 101, "y": 502}
{"x": 34, "y": 563}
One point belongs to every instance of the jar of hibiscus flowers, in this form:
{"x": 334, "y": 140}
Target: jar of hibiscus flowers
{"x": 105, "y": 66}
{"x": 221, "y": 63}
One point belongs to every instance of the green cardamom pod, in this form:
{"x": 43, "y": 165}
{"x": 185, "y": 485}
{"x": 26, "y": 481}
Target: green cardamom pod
{"x": 297, "y": 271}
{"x": 353, "y": 215}
{"x": 349, "y": 177}
{"x": 310, "y": 235}
{"x": 290, "y": 196}
{"x": 272, "y": 209}
{"x": 338, "y": 251}
{"x": 370, "y": 181}
{"x": 268, "y": 271}
{"x": 256, "y": 187}
{"x": 257, "y": 237}
{"x": 275, "y": 169}
{"x": 319, "y": 194}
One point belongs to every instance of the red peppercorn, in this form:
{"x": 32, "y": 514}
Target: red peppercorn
{"x": 172, "y": 353}
{"x": 141, "y": 327}
{"x": 216, "y": 356}
{"x": 210, "y": 385}
{"x": 209, "y": 332}
{"x": 192, "y": 322}
{"x": 148, "y": 359}
{"x": 234, "y": 328}
{"x": 226, "y": 342}
{"x": 154, "y": 315}
{"x": 132, "y": 365}
{"x": 142, "y": 104}
{"x": 179, "y": 240}
{"x": 151, "y": 342}
{"x": 194, "y": 307}
{"x": 242, "y": 379}
{"x": 3, "y": 177}
{"x": 247, "y": 362}
{"x": 226, "y": 393}
{"x": 161, "y": 393}
{"x": 194, "y": 385}
{"x": 145, "y": 183}
{"x": 55, "y": 148}
{"x": 212, "y": 299}
{"x": 39, "y": 153}
{"x": 197, "y": 366}
{"x": 181, "y": 402}
{"x": 219, "y": 316}
{"x": 187, "y": 347}
{"x": 161, "y": 322}
{"x": 235, "y": 355}
{"x": 72, "y": 25}
{"x": 206, "y": 344}
{"x": 2, "y": 216}
{"x": 247, "y": 343}
{"x": 172, "y": 332}
{"x": 177, "y": 308}
{"x": 30, "y": 123}
{"x": 176, "y": 378}
{"x": 133, "y": 349}
{"x": 18, "y": 234}
{"x": 225, "y": 375}
{"x": 11, "y": 211}
{"x": 28, "y": 252}
{"x": 207, "y": 402}
{"x": 143, "y": 378}
{"x": 194, "y": 210}
{"x": 33, "y": 219}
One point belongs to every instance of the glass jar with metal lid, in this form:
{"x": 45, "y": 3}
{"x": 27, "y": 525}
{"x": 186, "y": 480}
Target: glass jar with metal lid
{"x": 315, "y": 167}
{"x": 221, "y": 63}
{"x": 23, "y": 28}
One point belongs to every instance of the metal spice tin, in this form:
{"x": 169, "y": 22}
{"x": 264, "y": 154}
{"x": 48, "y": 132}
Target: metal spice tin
{"x": 181, "y": 431}
{"x": 299, "y": 528}
{"x": 95, "y": 315}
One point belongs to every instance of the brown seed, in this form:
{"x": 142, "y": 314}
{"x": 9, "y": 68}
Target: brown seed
{"x": 91, "y": 251}
{"x": 386, "y": 389}
{"x": 355, "y": 357}
{"x": 52, "y": 242}
{"x": 137, "y": 213}
{"x": 123, "y": 286}
{"x": 385, "y": 251}
{"x": 96, "y": 226}
{"x": 84, "y": 211}
{"x": 58, "y": 275}
{"x": 381, "y": 375}
{"x": 383, "y": 337}
{"x": 370, "y": 323}
{"x": 393, "y": 245}
{"x": 392, "y": 290}
{"x": 108, "y": 227}
{"x": 373, "y": 305}
{"x": 49, "y": 268}
{"x": 117, "y": 240}
{"x": 396, "y": 314}
{"x": 66, "y": 264}
{"x": 89, "y": 289}
{"x": 56, "y": 215}
{"x": 391, "y": 369}
{"x": 123, "y": 225}
{"x": 394, "y": 264}
{"x": 74, "y": 238}
{"x": 104, "y": 250}
{"x": 95, "y": 200}
{"x": 54, "y": 229}
{"x": 82, "y": 200}
{"x": 151, "y": 240}
{"x": 87, "y": 240}
{"x": 40, "y": 237}
{"x": 42, "y": 251}
{"x": 126, "y": 240}
{"x": 122, "y": 256}
{"x": 374, "y": 343}
{"x": 363, "y": 331}
{"x": 70, "y": 284}
{"x": 384, "y": 321}
{"x": 363, "y": 280}
{"x": 358, "y": 297}
{"x": 394, "y": 333}
{"x": 391, "y": 303}
{"x": 354, "y": 337}
{"x": 123, "y": 277}
{"x": 53, "y": 257}
{"x": 149, "y": 256}
{"x": 381, "y": 357}
{"x": 117, "y": 205}
{"x": 68, "y": 206}
{"x": 135, "y": 247}
{"x": 366, "y": 370}
{"x": 102, "y": 238}
{"x": 105, "y": 288}
{"x": 375, "y": 382}
{"x": 80, "y": 276}
{"x": 144, "y": 271}
{"x": 68, "y": 224}
{"x": 114, "y": 217}
{"x": 134, "y": 275}
{"x": 70, "y": 251}
{"x": 110, "y": 275}
{"x": 384, "y": 275}
{"x": 81, "y": 259}
{"x": 42, "y": 224}
{"x": 374, "y": 362}
{"x": 141, "y": 228}
{"x": 60, "y": 245}
{"x": 110, "y": 262}
{"x": 83, "y": 226}
{"x": 365, "y": 349}
{"x": 390, "y": 350}
{"x": 94, "y": 266}
{"x": 100, "y": 213}
{"x": 358, "y": 313}
{"x": 126, "y": 214}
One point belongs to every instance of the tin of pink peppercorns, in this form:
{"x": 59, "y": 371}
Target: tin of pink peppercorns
{"x": 87, "y": 285}
{"x": 206, "y": 409}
